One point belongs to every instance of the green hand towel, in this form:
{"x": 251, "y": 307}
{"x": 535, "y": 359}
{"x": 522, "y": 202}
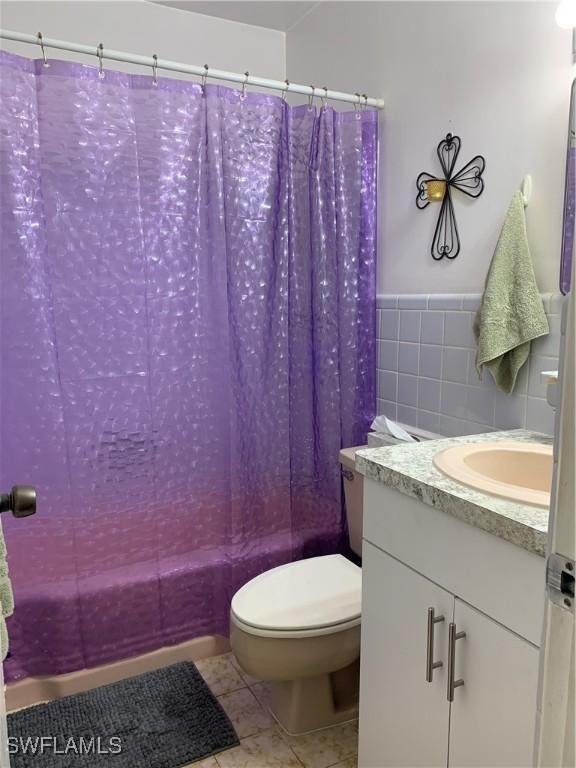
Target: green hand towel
{"x": 6, "y": 597}
{"x": 512, "y": 313}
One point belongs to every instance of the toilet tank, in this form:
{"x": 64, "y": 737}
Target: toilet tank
{"x": 354, "y": 482}
{"x": 354, "y": 497}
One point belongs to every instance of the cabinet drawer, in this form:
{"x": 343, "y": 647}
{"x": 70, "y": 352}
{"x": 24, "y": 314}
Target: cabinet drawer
{"x": 500, "y": 579}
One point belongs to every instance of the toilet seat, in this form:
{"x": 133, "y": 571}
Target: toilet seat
{"x": 306, "y": 598}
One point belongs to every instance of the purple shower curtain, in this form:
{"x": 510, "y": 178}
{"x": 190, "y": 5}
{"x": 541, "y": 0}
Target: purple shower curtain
{"x": 187, "y": 307}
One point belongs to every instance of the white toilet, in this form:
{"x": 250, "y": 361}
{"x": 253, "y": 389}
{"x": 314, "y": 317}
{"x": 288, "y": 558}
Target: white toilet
{"x": 298, "y": 626}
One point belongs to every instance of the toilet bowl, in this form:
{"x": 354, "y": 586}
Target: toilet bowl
{"x": 298, "y": 626}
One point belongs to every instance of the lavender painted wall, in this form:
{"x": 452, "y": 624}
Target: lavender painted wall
{"x": 506, "y": 96}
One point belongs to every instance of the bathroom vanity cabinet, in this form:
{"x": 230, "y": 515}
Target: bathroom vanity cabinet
{"x": 443, "y": 600}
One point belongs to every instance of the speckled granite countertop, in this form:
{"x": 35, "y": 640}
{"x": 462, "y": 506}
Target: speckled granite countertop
{"x": 409, "y": 469}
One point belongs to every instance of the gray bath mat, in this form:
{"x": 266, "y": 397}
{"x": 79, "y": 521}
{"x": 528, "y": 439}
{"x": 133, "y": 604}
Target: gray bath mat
{"x": 162, "y": 719}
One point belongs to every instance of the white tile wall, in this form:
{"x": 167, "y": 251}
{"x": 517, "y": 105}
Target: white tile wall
{"x": 426, "y": 370}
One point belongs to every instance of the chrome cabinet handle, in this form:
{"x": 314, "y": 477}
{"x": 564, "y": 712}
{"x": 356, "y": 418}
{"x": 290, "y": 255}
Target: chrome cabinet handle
{"x": 431, "y": 665}
{"x": 452, "y": 637}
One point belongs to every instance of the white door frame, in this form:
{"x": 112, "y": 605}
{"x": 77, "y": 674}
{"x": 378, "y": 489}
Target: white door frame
{"x": 556, "y": 712}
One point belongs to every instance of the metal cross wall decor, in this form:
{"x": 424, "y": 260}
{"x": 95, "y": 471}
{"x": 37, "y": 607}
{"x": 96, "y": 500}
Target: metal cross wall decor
{"x": 446, "y": 240}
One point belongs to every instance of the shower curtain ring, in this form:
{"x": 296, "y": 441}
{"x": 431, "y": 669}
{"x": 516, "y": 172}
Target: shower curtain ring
{"x": 311, "y": 97}
{"x": 357, "y": 103}
{"x": 41, "y": 43}
{"x": 244, "y": 84}
{"x": 365, "y": 97}
{"x": 324, "y": 99}
{"x": 100, "y": 54}
{"x": 154, "y": 69}
{"x": 204, "y": 78}
{"x": 285, "y": 89}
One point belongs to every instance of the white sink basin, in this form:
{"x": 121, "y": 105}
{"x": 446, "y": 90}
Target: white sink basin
{"x": 517, "y": 471}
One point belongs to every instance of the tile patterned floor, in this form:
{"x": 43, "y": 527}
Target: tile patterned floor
{"x": 262, "y": 743}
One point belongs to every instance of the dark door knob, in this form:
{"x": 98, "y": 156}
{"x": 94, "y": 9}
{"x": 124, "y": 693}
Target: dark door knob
{"x": 21, "y": 501}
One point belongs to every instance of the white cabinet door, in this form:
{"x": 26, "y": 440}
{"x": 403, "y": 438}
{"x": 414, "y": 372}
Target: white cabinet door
{"x": 403, "y": 718}
{"x": 493, "y": 714}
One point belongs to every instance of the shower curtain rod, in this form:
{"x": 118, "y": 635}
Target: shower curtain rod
{"x": 192, "y": 69}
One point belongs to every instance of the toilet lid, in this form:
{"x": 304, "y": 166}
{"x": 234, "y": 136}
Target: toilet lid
{"x": 304, "y": 595}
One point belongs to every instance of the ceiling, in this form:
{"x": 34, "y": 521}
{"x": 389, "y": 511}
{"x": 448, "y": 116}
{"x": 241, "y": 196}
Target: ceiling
{"x": 279, "y": 14}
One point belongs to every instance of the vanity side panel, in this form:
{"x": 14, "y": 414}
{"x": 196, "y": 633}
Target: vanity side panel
{"x": 500, "y": 579}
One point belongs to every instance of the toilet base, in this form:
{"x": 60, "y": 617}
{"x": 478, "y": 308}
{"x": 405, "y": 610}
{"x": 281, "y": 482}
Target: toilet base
{"x": 311, "y": 703}
{"x": 313, "y": 677}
